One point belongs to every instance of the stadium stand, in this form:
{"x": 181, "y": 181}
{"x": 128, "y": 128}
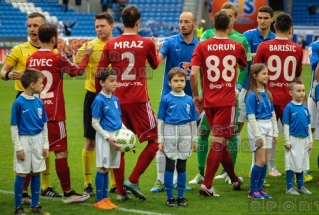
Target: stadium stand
{"x": 158, "y": 18}
{"x": 301, "y": 15}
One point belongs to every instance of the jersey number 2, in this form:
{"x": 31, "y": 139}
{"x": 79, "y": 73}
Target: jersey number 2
{"x": 131, "y": 59}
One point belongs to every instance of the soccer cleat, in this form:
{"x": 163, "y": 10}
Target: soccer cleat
{"x": 26, "y": 199}
{"x": 264, "y": 194}
{"x": 121, "y": 198}
{"x": 88, "y": 190}
{"x": 102, "y": 205}
{"x": 204, "y": 191}
{"x": 222, "y": 175}
{"x": 158, "y": 187}
{"x": 50, "y": 192}
{"x": 108, "y": 201}
{"x": 197, "y": 180}
{"x": 237, "y": 185}
{"x": 112, "y": 190}
{"x": 38, "y": 210}
{"x": 171, "y": 203}
{"x": 186, "y": 188}
{"x": 274, "y": 172}
{"x": 181, "y": 202}
{"x": 135, "y": 189}
{"x": 73, "y": 197}
{"x": 19, "y": 211}
{"x": 255, "y": 195}
{"x": 227, "y": 180}
{"x": 292, "y": 191}
{"x": 304, "y": 190}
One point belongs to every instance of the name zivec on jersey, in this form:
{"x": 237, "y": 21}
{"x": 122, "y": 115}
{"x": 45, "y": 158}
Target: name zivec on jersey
{"x": 40, "y": 62}
{"x": 128, "y": 44}
{"x": 126, "y": 84}
{"x": 284, "y": 48}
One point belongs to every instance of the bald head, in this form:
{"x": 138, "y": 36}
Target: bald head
{"x": 187, "y": 23}
{"x": 189, "y": 15}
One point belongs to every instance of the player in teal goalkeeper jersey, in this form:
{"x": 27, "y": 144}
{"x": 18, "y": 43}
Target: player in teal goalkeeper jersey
{"x": 204, "y": 128}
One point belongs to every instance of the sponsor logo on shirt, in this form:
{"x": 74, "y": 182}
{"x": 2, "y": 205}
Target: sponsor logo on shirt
{"x": 24, "y": 111}
{"x": 172, "y": 106}
{"x": 40, "y": 113}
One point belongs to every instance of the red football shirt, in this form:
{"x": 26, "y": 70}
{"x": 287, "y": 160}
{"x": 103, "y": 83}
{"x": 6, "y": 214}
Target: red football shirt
{"x": 218, "y": 58}
{"x": 53, "y": 66}
{"x": 284, "y": 62}
{"x": 127, "y": 54}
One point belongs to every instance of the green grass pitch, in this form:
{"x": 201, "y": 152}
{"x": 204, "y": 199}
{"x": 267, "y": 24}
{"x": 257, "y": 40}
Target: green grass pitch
{"x": 229, "y": 202}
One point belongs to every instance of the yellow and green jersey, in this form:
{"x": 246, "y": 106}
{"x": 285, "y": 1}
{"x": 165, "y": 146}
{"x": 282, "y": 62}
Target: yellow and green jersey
{"x": 93, "y": 62}
{"x": 237, "y": 37}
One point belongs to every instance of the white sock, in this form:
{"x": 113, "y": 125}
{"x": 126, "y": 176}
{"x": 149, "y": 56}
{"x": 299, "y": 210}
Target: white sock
{"x": 160, "y": 164}
{"x": 271, "y": 158}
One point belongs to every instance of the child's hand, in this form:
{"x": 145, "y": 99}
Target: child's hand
{"x": 260, "y": 142}
{"x": 194, "y": 146}
{"x": 310, "y": 146}
{"x": 274, "y": 141}
{"x": 113, "y": 143}
{"x": 45, "y": 153}
{"x": 161, "y": 147}
{"x": 20, "y": 155}
{"x": 288, "y": 146}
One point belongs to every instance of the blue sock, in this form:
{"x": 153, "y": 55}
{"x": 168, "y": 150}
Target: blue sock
{"x": 35, "y": 190}
{"x": 168, "y": 183}
{"x": 299, "y": 176}
{"x": 254, "y": 178}
{"x": 18, "y": 190}
{"x": 106, "y": 185}
{"x": 99, "y": 186}
{"x": 262, "y": 178}
{"x": 181, "y": 184}
{"x": 289, "y": 179}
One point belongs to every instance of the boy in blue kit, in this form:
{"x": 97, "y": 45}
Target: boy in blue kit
{"x": 297, "y": 138}
{"x": 30, "y": 138}
{"x": 106, "y": 119}
{"x": 177, "y": 134}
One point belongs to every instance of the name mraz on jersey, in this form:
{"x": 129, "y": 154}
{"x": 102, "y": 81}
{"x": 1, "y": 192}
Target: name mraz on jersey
{"x": 128, "y": 44}
{"x": 220, "y": 47}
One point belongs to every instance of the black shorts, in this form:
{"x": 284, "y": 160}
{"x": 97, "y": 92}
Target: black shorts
{"x": 89, "y": 131}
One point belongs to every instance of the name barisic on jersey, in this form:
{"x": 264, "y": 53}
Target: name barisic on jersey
{"x": 128, "y": 44}
{"x": 220, "y": 47}
{"x": 284, "y": 48}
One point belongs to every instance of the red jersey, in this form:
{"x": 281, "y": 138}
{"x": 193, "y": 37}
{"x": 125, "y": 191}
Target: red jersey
{"x": 127, "y": 54}
{"x": 284, "y": 62}
{"x": 218, "y": 58}
{"x": 53, "y": 66}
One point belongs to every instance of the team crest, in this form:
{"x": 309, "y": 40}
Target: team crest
{"x": 306, "y": 112}
{"x": 188, "y": 108}
{"x": 310, "y": 51}
{"x": 186, "y": 66}
{"x": 116, "y": 105}
{"x": 40, "y": 113}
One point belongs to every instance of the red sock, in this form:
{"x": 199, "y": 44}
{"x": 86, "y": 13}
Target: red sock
{"x": 26, "y": 183}
{"x": 143, "y": 161}
{"x": 63, "y": 172}
{"x": 119, "y": 177}
{"x": 228, "y": 165}
{"x": 213, "y": 161}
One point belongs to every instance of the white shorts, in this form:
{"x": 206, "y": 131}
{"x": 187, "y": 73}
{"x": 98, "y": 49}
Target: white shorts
{"x": 242, "y": 106}
{"x": 266, "y": 130}
{"x": 33, "y": 155}
{"x": 106, "y": 156}
{"x": 177, "y": 141}
{"x": 297, "y": 158}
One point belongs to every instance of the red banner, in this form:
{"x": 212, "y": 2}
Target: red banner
{"x": 247, "y": 12}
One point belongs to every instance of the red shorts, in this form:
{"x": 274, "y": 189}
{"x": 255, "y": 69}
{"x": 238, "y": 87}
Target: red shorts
{"x": 279, "y": 111}
{"x": 57, "y": 136}
{"x": 140, "y": 119}
{"x": 222, "y": 120}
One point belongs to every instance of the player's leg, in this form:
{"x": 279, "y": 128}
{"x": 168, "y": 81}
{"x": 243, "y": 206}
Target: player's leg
{"x": 168, "y": 181}
{"x": 22, "y": 168}
{"x": 144, "y": 124}
{"x": 160, "y": 166}
{"x": 181, "y": 182}
{"x": 112, "y": 184}
{"x": 58, "y": 144}
{"x": 271, "y": 160}
{"x": 203, "y": 135}
{"x": 89, "y": 147}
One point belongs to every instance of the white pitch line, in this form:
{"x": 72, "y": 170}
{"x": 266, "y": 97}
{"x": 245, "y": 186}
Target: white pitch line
{"x": 88, "y": 204}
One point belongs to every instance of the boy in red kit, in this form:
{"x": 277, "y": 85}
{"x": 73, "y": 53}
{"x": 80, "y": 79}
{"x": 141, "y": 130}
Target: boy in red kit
{"x": 53, "y": 66}
{"x": 127, "y": 54}
{"x": 218, "y": 57}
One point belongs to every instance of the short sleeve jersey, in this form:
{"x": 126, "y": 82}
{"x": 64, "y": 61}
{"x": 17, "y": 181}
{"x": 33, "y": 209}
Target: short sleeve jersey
{"x": 262, "y": 108}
